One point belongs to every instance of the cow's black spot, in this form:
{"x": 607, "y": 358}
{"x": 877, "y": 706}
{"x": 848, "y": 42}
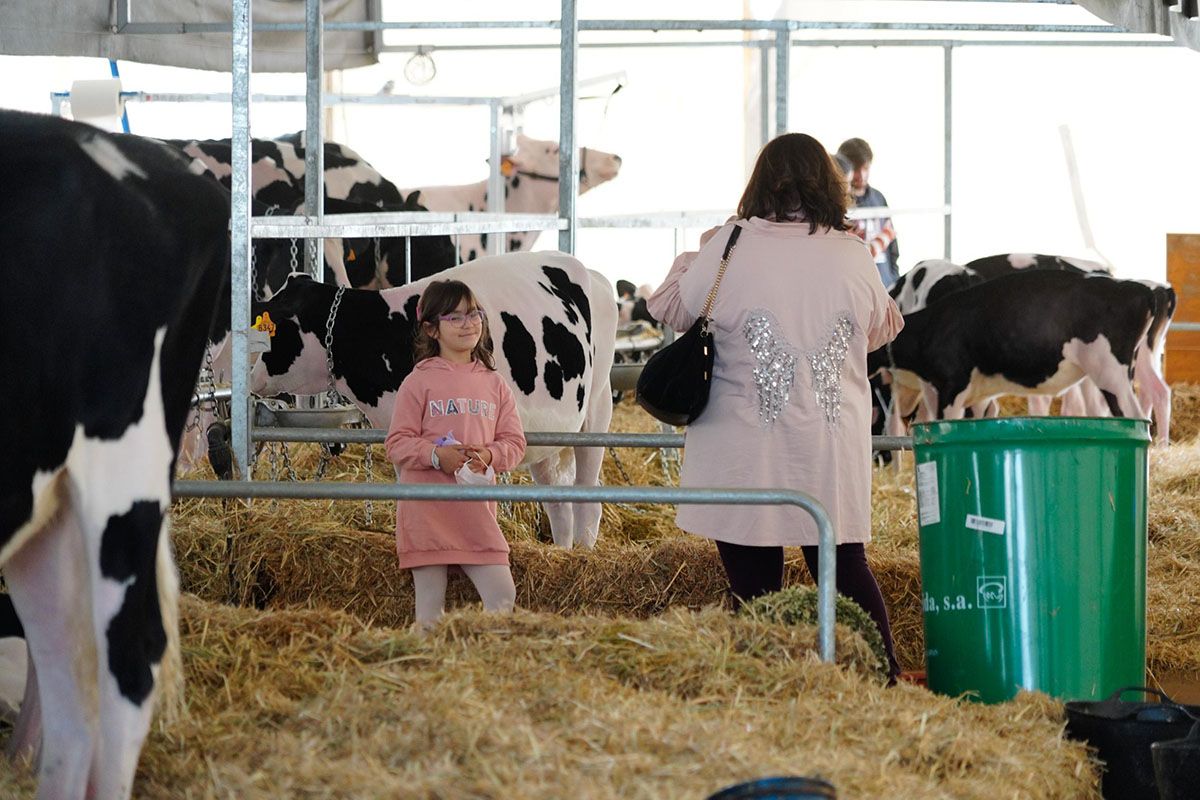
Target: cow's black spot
{"x": 552, "y": 375}
{"x": 483, "y": 240}
{"x": 506, "y": 191}
{"x": 564, "y": 348}
{"x": 136, "y": 637}
{"x": 514, "y": 244}
{"x": 580, "y": 394}
{"x": 516, "y": 181}
{"x": 572, "y": 296}
{"x": 470, "y": 206}
{"x": 471, "y": 255}
{"x": 521, "y": 351}
{"x": 917, "y": 277}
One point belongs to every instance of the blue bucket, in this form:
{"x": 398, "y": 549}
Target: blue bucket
{"x": 784, "y": 788}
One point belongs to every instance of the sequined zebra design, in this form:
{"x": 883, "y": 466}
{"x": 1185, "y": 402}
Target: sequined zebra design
{"x": 826, "y": 365}
{"x": 775, "y": 364}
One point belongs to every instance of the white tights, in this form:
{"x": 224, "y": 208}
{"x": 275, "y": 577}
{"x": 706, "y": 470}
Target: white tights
{"x": 494, "y": 582}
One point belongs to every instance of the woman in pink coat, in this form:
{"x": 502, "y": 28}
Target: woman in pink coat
{"x": 799, "y": 308}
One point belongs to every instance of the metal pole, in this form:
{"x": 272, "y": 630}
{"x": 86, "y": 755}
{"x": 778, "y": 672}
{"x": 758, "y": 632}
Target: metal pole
{"x": 783, "y": 53}
{"x": 239, "y": 235}
{"x": 948, "y": 123}
{"x": 568, "y": 155}
{"x": 826, "y": 541}
{"x": 314, "y": 135}
{"x": 495, "y": 198}
{"x": 408, "y": 259}
{"x": 764, "y": 87}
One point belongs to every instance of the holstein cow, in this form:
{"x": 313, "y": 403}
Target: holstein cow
{"x": 979, "y": 343}
{"x": 931, "y": 280}
{"x": 104, "y": 344}
{"x": 530, "y": 187}
{"x": 352, "y": 186}
{"x": 553, "y": 322}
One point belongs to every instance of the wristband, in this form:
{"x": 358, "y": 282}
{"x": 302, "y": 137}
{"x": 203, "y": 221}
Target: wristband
{"x": 433, "y": 459}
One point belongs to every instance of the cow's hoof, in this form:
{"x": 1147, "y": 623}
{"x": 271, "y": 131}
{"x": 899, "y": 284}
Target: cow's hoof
{"x": 220, "y": 451}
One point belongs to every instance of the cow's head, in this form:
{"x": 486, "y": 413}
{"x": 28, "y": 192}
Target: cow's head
{"x": 538, "y": 160}
{"x": 296, "y": 361}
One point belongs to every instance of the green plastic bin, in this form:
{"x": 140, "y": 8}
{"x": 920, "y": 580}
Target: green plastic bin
{"x": 1033, "y": 555}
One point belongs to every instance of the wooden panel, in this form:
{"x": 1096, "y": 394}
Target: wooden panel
{"x": 1183, "y": 273}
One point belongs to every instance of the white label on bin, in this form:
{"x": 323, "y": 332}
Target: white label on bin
{"x": 985, "y": 524}
{"x": 928, "y": 506}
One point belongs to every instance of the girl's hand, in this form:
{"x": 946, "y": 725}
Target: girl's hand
{"x": 480, "y": 458}
{"x": 451, "y": 457}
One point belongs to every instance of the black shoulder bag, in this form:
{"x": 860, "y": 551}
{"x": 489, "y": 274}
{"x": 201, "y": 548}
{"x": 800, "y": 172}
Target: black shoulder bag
{"x": 673, "y": 386}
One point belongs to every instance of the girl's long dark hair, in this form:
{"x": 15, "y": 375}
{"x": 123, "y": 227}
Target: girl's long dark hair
{"x": 442, "y": 297}
{"x": 795, "y": 178}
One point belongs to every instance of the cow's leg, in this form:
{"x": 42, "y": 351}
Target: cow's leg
{"x": 48, "y": 581}
{"x": 1073, "y": 402}
{"x": 1039, "y": 405}
{"x": 587, "y": 466}
{"x": 558, "y": 470}
{"x": 1154, "y": 393}
{"x": 26, "y": 738}
{"x": 1113, "y": 377}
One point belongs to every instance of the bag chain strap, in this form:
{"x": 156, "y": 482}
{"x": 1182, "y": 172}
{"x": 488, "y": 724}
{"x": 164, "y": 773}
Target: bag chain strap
{"x": 712, "y": 293}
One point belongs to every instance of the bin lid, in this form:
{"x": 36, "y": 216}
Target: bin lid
{"x": 1033, "y": 429}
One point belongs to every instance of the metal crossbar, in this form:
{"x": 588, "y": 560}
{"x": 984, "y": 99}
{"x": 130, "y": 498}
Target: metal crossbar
{"x": 826, "y": 541}
{"x": 544, "y": 439}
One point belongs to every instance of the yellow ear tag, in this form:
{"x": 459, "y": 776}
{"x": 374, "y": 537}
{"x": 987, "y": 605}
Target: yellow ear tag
{"x": 507, "y": 167}
{"x": 263, "y": 323}
{"x": 351, "y": 257}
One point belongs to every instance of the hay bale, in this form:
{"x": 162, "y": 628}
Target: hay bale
{"x": 1185, "y": 412}
{"x": 321, "y": 553}
{"x": 309, "y": 703}
{"x": 798, "y": 605}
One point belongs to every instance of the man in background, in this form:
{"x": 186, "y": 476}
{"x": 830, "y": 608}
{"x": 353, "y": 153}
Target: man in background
{"x": 878, "y": 233}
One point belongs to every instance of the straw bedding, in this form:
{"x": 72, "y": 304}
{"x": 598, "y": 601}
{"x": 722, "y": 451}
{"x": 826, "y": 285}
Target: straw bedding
{"x": 321, "y": 554}
{"x": 318, "y": 704}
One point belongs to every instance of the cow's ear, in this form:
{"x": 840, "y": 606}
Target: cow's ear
{"x": 413, "y": 202}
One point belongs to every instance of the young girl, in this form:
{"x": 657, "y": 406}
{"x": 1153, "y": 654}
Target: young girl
{"x": 453, "y": 411}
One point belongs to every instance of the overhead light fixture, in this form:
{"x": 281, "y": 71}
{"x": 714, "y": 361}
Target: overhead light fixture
{"x": 420, "y": 69}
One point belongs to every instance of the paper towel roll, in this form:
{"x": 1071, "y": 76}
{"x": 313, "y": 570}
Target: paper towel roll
{"x": 96, "y": 99}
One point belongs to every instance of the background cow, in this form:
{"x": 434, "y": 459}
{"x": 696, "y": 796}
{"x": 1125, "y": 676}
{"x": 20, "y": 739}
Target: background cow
{"x": 530, "y": 187}
{"x": 978, "y": 344}
{"x": 552, "y": 321}
{"x": 104, "y": 343}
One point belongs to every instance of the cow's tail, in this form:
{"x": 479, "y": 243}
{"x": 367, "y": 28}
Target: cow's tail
{"x": 170, "y": 672}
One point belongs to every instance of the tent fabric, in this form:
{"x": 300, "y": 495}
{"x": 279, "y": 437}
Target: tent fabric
{"x": 84, "y": 28}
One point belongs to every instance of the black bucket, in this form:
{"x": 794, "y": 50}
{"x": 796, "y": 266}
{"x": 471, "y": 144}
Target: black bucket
{"x": 1122, "y": 733}
{"x": 1177, "y": 766}
{"x": 785, "y": 788}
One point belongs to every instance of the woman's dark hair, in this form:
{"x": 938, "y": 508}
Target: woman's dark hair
{"x": 794, "y": 178}
{"x": 443, "y": 297}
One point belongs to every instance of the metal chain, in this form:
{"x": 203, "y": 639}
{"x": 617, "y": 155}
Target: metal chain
{"x": 620, "y": 467}
{"x": 380, "y": 273}
{"x": 335, "y": 397}
{"x": 367, "y": 507}
{"x": 295, "y": 256}
{"x": 287, "y": 461}
{"x": 323, "y": 462}
{"x": 204, "y": 396}
{"x": 272, "y": 468}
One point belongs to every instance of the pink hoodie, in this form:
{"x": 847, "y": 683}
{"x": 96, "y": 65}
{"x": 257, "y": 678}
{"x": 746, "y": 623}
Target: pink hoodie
{"x": 473, "y": 403}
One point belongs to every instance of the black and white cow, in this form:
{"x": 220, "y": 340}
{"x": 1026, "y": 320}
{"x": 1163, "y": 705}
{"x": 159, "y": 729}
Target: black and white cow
{"x": 530, "y": 187}
{"x": 552, "y": 321}
{"x": 1036, "y": 332}
{"x": 931, "y": 280}
{"x": 352, "y": 186}
{"x": 103, "y": 343}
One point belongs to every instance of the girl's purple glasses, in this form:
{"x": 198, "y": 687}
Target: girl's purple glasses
{"x": 461, "y": 319}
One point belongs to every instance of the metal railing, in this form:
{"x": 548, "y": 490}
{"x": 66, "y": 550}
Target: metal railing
{"x": 827, "y": 543}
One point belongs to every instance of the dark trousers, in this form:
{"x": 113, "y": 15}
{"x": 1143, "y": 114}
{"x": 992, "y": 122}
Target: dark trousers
{"x": 755, "y": 571}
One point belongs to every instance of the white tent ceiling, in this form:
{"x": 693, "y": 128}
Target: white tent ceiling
{"x": 86, "y": 28}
